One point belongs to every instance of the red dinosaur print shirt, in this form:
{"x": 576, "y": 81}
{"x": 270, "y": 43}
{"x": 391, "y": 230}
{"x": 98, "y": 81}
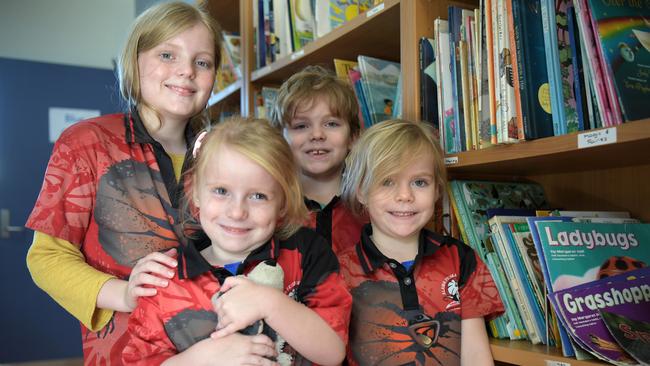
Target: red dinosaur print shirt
{"x": 110, "y": 189}
{"x": 412, "y": 316}
{"x": 181, "y": 314}
{"x": 335, "y": 223}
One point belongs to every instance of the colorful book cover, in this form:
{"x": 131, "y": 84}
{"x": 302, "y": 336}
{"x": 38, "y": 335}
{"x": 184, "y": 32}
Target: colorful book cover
{"x": 428, "y": 82}
{"x": 623, "y": 30}
{"x": 302, "y": 23}
{"x": 343, "y": 67}
{"x": 355, "y": 79}
{"x": 379, "y": 79}
{"x": 342, "y": 11}
{"x": 445, "y": 93}
{"x": 533, "y": 76}
{"x": 621, "y": 300}
{"x": 476, "y": 197}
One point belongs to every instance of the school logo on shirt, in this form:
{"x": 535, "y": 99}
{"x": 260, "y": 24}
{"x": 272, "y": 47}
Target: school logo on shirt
{"x": 449, "y": 289}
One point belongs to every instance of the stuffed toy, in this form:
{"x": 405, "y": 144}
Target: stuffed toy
{"x": 268, "y": 274}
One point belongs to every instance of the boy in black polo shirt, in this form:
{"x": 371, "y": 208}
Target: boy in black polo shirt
{"x": 246, "y": 195}
{"x": 417, "y": 296}
{"x": 319, "y": 116}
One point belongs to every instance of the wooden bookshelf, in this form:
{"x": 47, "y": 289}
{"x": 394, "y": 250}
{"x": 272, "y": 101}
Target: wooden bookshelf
{"x": 610, "y": 176}
{"x": 525, "y": 353}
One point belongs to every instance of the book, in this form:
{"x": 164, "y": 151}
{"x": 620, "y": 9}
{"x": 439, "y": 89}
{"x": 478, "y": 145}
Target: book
{"x": 379, "y": 79}
{"x": 301, "y": 18}
{"x": 355, "y": 79}
{"x": 343, "y": 67}
{"x": 586, "y": 310}
{"x": 428, "y": 82}
{"x": 473, "y": 198}
{"x": 342, "y": 11}
{"x": 623, "y": 33}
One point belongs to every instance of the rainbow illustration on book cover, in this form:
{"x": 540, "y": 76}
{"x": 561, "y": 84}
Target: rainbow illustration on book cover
{"x": 624, "y": 33}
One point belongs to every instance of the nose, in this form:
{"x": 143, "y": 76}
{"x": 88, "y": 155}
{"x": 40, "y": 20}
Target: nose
{"x": 317, "y": 132}
{"x": 237, "y": 209}
{"x": 185, "y": 68}
{"x": 404, "y": 193}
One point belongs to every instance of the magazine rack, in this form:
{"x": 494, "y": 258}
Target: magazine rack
{"x": 613, "y": 175}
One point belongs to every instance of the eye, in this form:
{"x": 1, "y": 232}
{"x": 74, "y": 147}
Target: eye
{"x": 298, "y": 125}
{"x": 387, "y": 182}
{"x": 166, "y": 56}
{"x": 220, "y": 191}
{"x": 259, "y": 196}
{"x": 421, "y": 183}
{"x": 204, "y": 64}
{"x": 333, "y": 123}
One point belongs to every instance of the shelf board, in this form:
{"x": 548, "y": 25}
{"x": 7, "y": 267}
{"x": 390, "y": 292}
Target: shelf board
{"x": 374, "y": 33}
{"x": 231, "y": 92}
{"x": 557, "y": 154}
{"x": 525, "y": 353}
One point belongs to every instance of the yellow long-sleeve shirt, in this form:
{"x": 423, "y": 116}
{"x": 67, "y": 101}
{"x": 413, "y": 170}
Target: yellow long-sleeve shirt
{"x": 59, "y": 268}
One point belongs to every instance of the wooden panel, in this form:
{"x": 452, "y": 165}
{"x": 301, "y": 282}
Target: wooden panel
{"x": 558, "y": 154}
{"x": 615, "y": 189}
{"x": 526, "y": 354}
{"x": 376, "y": 35}
{"x": 248, "y": 56}
{"x": 226, "y": 12}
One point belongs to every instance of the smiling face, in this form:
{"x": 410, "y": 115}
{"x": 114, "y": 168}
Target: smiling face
{"x": 401, "y": 205}
{"x": 176, "y": 76}
{"x": 319, "y": 141}
{"x": 239, "y": 204}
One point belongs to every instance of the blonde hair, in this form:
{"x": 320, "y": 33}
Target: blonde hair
{"x": 307, "y": 86}
{"x": 154, "y": 26}
{"x": 260, "y": 142}
{"x": 383, "y": 150}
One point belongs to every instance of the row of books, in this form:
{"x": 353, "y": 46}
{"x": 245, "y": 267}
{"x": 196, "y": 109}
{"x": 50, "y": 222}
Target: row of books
{"x": 285, "y": 26}
{"x": 377, "y": 86}
{"x": 230, "y": 68}
{"x": 515, "y": 70}
{"x": 541, "y": 260}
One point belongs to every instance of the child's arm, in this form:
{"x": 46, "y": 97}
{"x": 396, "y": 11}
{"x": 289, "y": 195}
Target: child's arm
{"x": 244, "y": 302}
{"x": 150, "y": 272}
{"x": 234, "y": 349}
{"x": 475, "y": 348}
{"x": 149, "y": 343}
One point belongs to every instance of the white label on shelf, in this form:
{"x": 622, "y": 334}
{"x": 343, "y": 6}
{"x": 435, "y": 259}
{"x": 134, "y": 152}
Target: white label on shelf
{"x": 375, "y": 10}
{"x": 556, "y": 363}
{"x": 451, "y": 161}
{"x": 297, "y": 55}
{"x": 595, "y": 138}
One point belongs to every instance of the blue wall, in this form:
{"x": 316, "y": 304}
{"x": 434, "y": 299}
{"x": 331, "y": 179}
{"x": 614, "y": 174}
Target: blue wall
{"x": 32, "y": 325}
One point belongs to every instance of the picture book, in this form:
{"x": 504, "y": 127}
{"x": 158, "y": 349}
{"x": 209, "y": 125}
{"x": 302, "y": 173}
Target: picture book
{"x": 621, "y": 299}
{"x": 303, "y": 27}
{"x": 474, "y": 198}
{"x": 445, "y": 97}
{"x": 379, "y": 79}
{"x": 576, "y": 253}
{"x": 342, "y": 11}
{"x": 428, "y": 82}
{"x": 355, "y": 79}
{"x": 343, "y": 67}
{"x": 533, "y": 76}
{"x": 512, "y": 263}
{"x": 623, "y": 33}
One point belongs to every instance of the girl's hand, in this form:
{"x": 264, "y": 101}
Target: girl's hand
{"x": 150, "y": 272}
{"x": 241, "y": 304}
{"x": 235, "y": 349}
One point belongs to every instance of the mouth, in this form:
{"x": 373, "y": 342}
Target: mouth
{"x": 181, "y": 90}
{"x": 317, "y": 152}
{"x": 402, "y": 213}
{"x": 234, "y": 230}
